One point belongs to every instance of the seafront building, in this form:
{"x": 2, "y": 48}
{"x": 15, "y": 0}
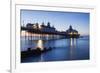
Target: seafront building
{"x": 70, "y": 33}
{"x": 42, "y": 27}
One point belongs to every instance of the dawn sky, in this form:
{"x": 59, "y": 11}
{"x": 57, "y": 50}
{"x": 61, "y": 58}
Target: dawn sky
{"x": 60, "y": 20}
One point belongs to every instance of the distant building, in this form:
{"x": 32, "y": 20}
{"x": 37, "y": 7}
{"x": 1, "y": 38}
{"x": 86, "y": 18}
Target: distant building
{"x": 47, "y": 27}
{"x": 43, "y": 27}
{"x": 32, "y": 26}
{"x": 29, "y": 25}
{"x": 72, "y": 32}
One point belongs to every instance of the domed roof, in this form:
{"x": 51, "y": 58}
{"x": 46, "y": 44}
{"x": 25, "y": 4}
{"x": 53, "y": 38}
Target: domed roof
{"x": 71, "y": 30}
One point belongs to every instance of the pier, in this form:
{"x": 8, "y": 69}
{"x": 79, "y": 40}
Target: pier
{"x": 43, "y": 32}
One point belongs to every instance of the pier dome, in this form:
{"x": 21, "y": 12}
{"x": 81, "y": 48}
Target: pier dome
{"x": 72, "y": 32}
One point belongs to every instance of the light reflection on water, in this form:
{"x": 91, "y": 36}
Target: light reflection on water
{"x": 63, "y": 49}
{"x": 40, "y": 44}
{"x": 72, "y": 47}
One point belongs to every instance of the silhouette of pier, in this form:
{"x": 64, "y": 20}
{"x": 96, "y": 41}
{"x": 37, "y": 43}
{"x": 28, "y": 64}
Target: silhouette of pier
{"x": 38, "y": 31}
{"x": 44, "y": 30}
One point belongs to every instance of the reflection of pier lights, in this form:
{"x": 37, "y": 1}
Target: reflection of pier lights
{"x": 36, "y": 36}
{"x": 40, "y": 44}
{"x": 72, "y": 47}
{"x": 23, "y": 34}
{"x": 72, "y": 42}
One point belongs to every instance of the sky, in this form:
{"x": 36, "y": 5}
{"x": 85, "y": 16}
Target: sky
{"x": 60, "y": 20}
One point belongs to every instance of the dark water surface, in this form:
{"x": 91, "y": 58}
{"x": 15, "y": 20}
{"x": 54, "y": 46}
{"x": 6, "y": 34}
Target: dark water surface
{"x": 62, "y": 49}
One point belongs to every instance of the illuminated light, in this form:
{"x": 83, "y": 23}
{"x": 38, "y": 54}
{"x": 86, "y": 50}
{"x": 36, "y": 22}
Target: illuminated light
{"x": 70, "y": 33}
{"x": 74, "y": 42}
{"x": 71, "y": 42}
{"x": 72, "y": 47}
{"x": 23, "y": 33}
{"x": 34, "y": 27}
{"x": 75, "y": 33}
{"x": 40, "y": 44}
{"x": 39, "y": 26}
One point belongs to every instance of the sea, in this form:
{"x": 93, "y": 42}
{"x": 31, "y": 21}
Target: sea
{"x": 62, "y": 49}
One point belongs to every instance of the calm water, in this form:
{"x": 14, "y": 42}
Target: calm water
{"x": 63, "y": 49}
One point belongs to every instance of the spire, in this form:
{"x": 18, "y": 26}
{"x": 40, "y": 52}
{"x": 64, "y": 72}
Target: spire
{"x": 70, "y": 27}
{"x": 48, "y": 24}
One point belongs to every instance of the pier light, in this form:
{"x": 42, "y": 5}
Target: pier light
{"x": 70, "y": 33}
{"x": 75, "y": 33}
{"x": 40, "y": 27}
{"x": 35, "y": 27}
{"x": 23, "y": 33}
